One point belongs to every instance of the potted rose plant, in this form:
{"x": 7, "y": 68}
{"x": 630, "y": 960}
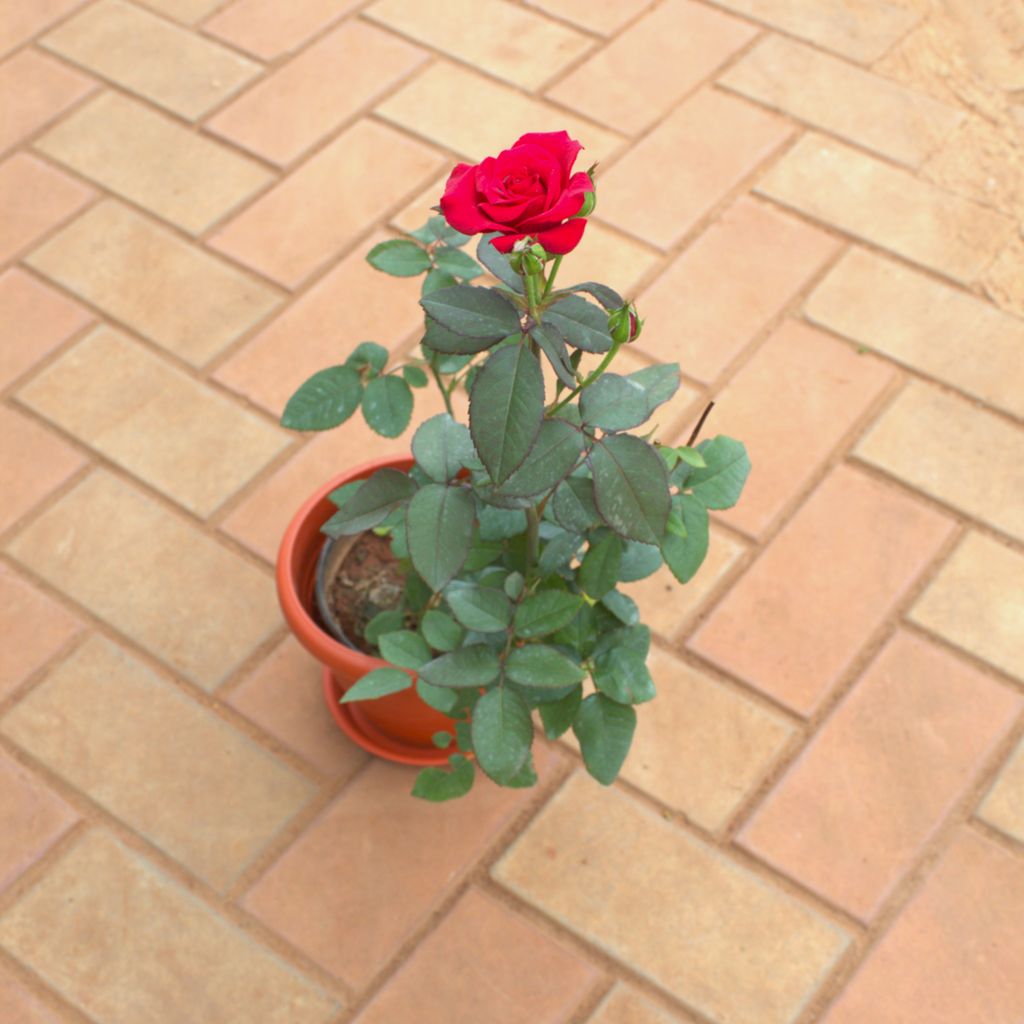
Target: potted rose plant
{"x": 454, "y": 593}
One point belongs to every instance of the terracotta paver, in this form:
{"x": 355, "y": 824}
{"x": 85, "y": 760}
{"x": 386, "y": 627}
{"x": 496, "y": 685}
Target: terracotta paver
{"x": 626, "y": 1005}
{"x": 796, "y": 620}
{"x": 1003, "y": 808}
{"x": 502, "y": 950}
{"x": 605, "y": 18}
{"x": 34, "y": 320}
{"x": 680, "y": 925}
{"x": 116, "y": 919}
{"x": 852, "y": 813}
{"x": 953, "y": 955}
{"x": 185, "y": 11}
{"x": 21, "y": 1006}
{"x": 139, "y": 578}
{"x": 179, "y": 436}
{"x": 148, "y": 278}
{"x": 20, "y": 21}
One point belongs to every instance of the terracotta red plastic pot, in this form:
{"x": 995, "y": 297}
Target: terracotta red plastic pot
{"x": 398, "y": 727}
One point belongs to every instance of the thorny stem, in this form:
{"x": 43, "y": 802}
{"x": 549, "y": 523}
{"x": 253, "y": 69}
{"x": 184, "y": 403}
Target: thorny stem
{"x": 700, "y": 423}
{"x": 443, "y": 390}
{"x": 551, "y": 278}
{"x": 605, "y": 363}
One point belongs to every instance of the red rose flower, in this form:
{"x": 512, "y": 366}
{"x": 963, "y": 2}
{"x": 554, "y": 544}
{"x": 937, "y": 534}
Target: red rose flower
{"x": 526, "y": 190}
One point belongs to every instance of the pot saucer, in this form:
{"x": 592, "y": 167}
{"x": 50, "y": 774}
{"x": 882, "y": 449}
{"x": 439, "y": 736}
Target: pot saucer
{"x": 366, "y": 735}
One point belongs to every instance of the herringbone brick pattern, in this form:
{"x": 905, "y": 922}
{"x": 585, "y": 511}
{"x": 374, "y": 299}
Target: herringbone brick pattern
{"x": 818, "y": 206}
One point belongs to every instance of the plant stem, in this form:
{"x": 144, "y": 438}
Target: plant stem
{"x": 700, "y": 423}
{"x": 443, "y": 390}
{"x": 605, "y": 363}
{"x": 531, "y": 296}
{"x": 532, "y": 538}
{"x": 551, "y": 277}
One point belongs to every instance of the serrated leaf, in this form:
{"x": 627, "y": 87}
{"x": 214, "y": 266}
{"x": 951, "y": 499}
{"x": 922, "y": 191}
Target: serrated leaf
{"x": 513, "y": 585}
{"x": 541, "y": 667}
{"x": 446, "y": 364}
{"x": 691, "y": 457}
{"x": 387, "y": 405}
{"x": 608, "y": 297}
{"x": 720, "y": 482}
{"x": 622, "y": 675}
{"x": 605, "y": 730}
{"x": 557, "y": 716}
{"x": 545, "y": 612}
{"x": 524, "y": 778}
{"x": 684, "y": 556}
{"x": 638, "y": 561}
{"x": 442, "y": 739}
{"x": 630, "y": 487}
{"x": 506, "y": 409}
{"x": 502, "y": 733}
{"x": 441, "y": 631}
{"x": 581, "y": 634}
{"x": 558, "y": 551}
{"x": 552, "y": 345}
{"x": 341, "y": 494}
{"x": 437, "y": 229}
{"x": 483, "y": 609}
{"x": 379, "y": 683}
{"x": 399, "y": 258}
{"x": 371, "y": 504}
{"x": 497, "y": 263}
{"x": 622, "y": 606}
{"x": 438, "y": 785}
{"x": 457, "y": 263}
{"x": 442, "y": 447}
{"x": 483, "y": 554}
{"x": 581, "y": 323}
{"x": 415, "y": 376}
{"x": 439, "y": 339}
{"x": 614, "y": 402}
{"x": 368, "y": 353}
{"x": 439, "y": 532}
{"x": 383, "y": 622}
{"x": 404, "y": 649}
{"x": 500, "y": 523}
{"x": 435, "y": 281}
{"x": 633, "y": 638}
{"x": 437, "y": 697}
{"x": 327, "y": 399}
{"x": 554, "y": 454}
{"x": 599, "y": 571}
{"x": 573, "y": 505}
{"x": 472, "y": 312}
{"x": 468, "y": 667}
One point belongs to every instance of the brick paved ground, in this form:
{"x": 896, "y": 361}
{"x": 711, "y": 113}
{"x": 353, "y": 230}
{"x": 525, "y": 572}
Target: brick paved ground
{"x": 818, "y": 204}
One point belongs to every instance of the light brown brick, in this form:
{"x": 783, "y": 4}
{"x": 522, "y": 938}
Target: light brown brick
{"x": 977, "y": 602}
{"x": 833, "y": 95}
{"x": 625, "y": 1005}
{"x": 852, "y": 815}
{"x": 605, "y": 18}
{"x": 173, "y": 293}
{"x": 726, "y": 285}
{"x": 652, "y": 65}
{"x": 658, "y": 194}
{"x": 955, "y": 451}
{"x": 34, "y": 320}
{"x": 797, "y": 619}
{"x": 127, "y": 943}
{"x": 1003, "y": 808}
{"x": 35, "y": 463}
{"x": 20, "y": 21}
{"x": 156, "y": 578}
{"x": 185, "y": 11}
{"x": 34, "y": 819}
{"x": 925, "y": 325}
{"x": 41, "y": 625}
{"x": 505, "y": 40}
{"x": 298, "y": 225}
{"x": 284, "y": 695}
{"x": 380, "y": 847}
{"x": 172, "y": 770}
{"x": 176, "y": 434}
{"x": 953, "y": 955}
{"x": 679, "y": 926}
{"x": 152, "y": 160}
{"x": 478, "y": 117}
{"x": 505, "y": 951}
{"x": 887, "y": 207}
{"x": 300, "y": 102}
{"x": 34, "y": 198}
{"x": 792, "y": 404}
{"x": 169, "y": 66}
{"x": 34, "y": 89}
{"x": 268, "y": 28}
{"x": 25, "y": 1007}
{"x": 862, "y": 30}
{"x": 700, "y": 747}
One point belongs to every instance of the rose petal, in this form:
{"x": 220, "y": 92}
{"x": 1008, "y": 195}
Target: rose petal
{"x": 558, "y": 144}
{"x": 567, "y": 206}
{"x": 504, "y": 243}
{"x": 564, "y": 238}
{"x": 459, "y": 203}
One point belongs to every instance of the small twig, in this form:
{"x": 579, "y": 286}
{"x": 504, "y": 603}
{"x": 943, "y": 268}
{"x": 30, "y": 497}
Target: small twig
{"x": 700, "y": 423}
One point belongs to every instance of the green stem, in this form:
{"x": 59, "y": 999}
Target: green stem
{"x": 444, "y": 391}
{"x": 605, "y": 363}
{"x": 551, "y": 278}
{"x": 532, "y": 539}
{"x": 531, "y": 296}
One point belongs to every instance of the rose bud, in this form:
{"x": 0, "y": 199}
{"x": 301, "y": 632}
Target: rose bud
{"x": 589, "y": 202}
{"x": 624, "y": 325}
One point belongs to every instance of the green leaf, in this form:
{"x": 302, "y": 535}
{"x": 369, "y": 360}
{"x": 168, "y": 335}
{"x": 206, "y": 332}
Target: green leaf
{"x": 623, "y": 607}
{"x": 483, "y": 554}
{"x": 558, "y": 715}
{"x": 553, "y": 455}
{"x": 437, "y": 697}
{"x": 497, "y": 263}
{"x": 446, "y": 364}
{"x": 543, "y": 667}
{"x": 415, "y": 376}
{"x": 618, "y": 403}
{"x": 368, "y": 353}
{"x": 552, "y": 345}
{"x": 435, "y": 281}
{"x": 580, "y": 323}
{"x": 378, "y": 683}
{"x": 546, "y": 612}
{"x": 573, "y": 505}
{"x": 502, "y": 733}
{"x": 387, "y": 405}
{"x": 638, "y": 561}
{"x": 599, "y": 571}
{"x": 684, "y": 556}
{"x": 439, "y": 339}
{"x": 404, "y": 649}
{"x": 558, "y": 552}
{"x": 513, "y": 585}
{"x": 500, "y": 523}
{"x": 473, "y": 312}
{"x": 622, "y": 675}
{"x": 442, "y": 447}
{"x": 631, "y": 487}
{"x": 399, "y": 258}
{"x": 720, "y": 482}
{"x": 456, "y": 263}
{"x": 383, "y": 622}
{"x": 341, "y": 494}
{"x": 442, "y": 739}
{"x": 691, "y": 456}
{"x": 506, "y": 408}
{"x": 483, "y": 609}
{"x": 604, "y": 729}
{"x": 472, "y": 666}
{"x": 659, "y": 382}
{"x": 581, "y": 634}
{"x": 524, "y": 778}
{"x": 371, "y": 504}
{"x": 608, "y": 297}
{"x": 632, "y": 638}
{"x": 438, "y": 785}
{"x": 325, "y": 400}
{"x": 437, "y": 229}
{"x": 441, "y": 631}
{"x": 439, "y": 527}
